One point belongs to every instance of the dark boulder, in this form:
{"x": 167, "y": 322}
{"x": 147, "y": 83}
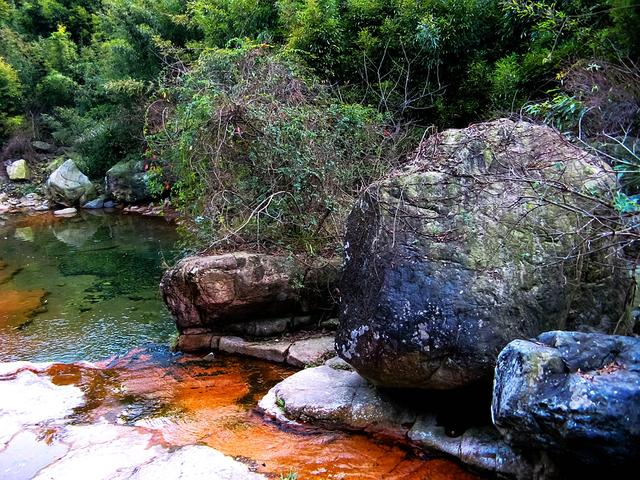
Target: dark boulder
{"x": 488, "y": 235}
{"x": 574, "y": 394}
{"x": 126, "y": 182}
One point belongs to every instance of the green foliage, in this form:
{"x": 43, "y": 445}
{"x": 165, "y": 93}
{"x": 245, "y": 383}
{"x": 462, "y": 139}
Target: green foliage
{"x": 264, "y": 154}
{"x": 505, "y": 83}
{"x": 100, "y": 137}
{"x": 627, "y": 204}
{"x": 10, "y": 98}
{"x": 228, "y": 100}
{"x": 56, "y": 90}
{"x": 59, "y": 51}
{"x": 224, "y": 20}
{"x": 290, "y": 475}
{"x": 10, "y": 86}
{"x": 155, "y": 181}
{"x": 315, "y": 30}
{"x": 561, "y": 111}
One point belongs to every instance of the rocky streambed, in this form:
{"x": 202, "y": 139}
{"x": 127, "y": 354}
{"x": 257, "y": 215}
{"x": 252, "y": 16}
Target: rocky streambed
{"x": 152, "y": 413}
{"x": 484, "y": 310}
{"x": 83, "y": 289}
{"x": 481, "y": 317}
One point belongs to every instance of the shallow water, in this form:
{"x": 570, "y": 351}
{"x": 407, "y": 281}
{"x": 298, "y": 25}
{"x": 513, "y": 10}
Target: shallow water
{"x": 86, "y": 288}
{"x": 192, "y": 401}
{"x": 82, "y": 288}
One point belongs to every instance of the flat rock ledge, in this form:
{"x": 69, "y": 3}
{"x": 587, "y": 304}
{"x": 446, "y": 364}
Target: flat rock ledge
{"x": 295, "y": 352}
{"x": 334, "y": 396}
{"x": 33, "y": 407}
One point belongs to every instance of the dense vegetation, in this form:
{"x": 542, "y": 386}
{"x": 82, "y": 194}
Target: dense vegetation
{"x": 264, "y": 117}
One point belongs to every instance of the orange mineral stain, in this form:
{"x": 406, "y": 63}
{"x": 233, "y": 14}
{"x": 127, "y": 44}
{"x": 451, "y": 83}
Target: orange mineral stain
{"x": 37, "y": 219}
{"x": 190, "y": 401}
{"x": 16, "y": 306}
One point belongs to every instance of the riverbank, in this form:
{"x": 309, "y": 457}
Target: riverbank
{"x": 34, "y": 203}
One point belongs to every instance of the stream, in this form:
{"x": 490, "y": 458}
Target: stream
{"x": 82, "y": 293}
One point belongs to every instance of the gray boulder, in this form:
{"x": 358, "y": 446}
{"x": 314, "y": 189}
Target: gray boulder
{"x": 67, "y": 185}
{"x": 573, "y": 394}
{"x": 485, "y": 237}
{"x": 335, "y": 397}
{"x": 126, "y": 182}
{"x": 43, "y": 147}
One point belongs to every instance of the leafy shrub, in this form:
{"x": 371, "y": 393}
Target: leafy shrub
{"x": 101, "y": 137}
{"x": 60, "y": 52}
{"x": 561, "y": 111}
{"x": 56, "y": 90}
{"x": 264, "y": 154}
{"x": 225, "y": 20}
{"x": 10, "y": 98}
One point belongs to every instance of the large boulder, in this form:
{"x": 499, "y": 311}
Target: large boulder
{"x": 126, "y": 182}
{"x": 490, "y": 234}
{"x": 221, "y": 293}
{"x": 67, "y": 185}
{"x": 574, "y": 394}
{"x": 19, "y": 170}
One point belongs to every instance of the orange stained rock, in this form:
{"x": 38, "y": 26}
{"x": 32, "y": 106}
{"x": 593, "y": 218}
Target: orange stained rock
{"x": 16, "y": 306}
{"x": 324, "y": 454}
{"x": 189, "y": 402}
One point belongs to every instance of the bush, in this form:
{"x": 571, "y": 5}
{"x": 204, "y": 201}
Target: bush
{"x": 56, "y": 90}
{"x": 264, "y": 154}
{"x": 10, "y": 98}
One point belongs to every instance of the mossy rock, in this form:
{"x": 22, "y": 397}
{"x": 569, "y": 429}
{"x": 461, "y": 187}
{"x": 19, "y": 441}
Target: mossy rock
{"x": 126, "y": 182}
{"x": 485, "y": 237}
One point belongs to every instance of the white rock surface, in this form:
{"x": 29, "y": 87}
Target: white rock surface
{"x": 66, "y": 212}
{"x": 194, "y": 462}
{"x": 38, "y": 442}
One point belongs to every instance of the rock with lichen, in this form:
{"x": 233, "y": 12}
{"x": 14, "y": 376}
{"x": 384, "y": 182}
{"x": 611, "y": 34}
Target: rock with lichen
{"x": 68, "y": 186}
{"x": 573, "y": 394}
{"x": 19, "y": 170}
{"x": 491, "y": 233}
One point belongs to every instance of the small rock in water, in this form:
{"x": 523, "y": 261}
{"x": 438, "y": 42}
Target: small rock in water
{"x": 94, "y": 204}
{"x": 25, "y": 234}
{"x": 66, "y": 212}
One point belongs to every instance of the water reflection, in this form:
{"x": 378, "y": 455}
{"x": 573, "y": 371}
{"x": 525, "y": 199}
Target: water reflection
{"x": 82, "y": 288}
